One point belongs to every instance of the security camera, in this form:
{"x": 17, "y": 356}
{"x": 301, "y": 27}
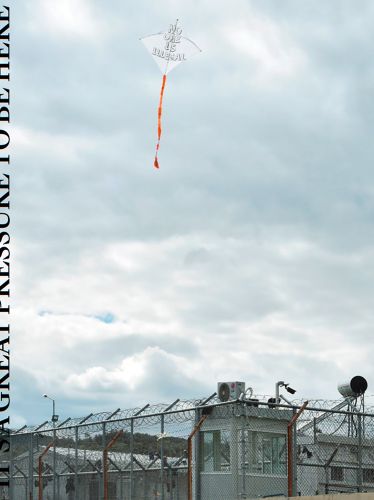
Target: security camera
{"x": 286, "y": 386}
{"x": 289, "y": 389}
{"x": 45, "y": 395}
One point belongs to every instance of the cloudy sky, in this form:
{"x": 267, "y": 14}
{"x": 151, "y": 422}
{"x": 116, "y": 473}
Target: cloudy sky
{"x": 248, "y": 256}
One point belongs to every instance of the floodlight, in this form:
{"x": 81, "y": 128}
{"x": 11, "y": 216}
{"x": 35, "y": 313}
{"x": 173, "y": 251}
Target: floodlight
{"x": 354, "y": 388}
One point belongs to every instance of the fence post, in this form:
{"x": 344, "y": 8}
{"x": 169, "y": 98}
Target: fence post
{"x": 145, "y": 483}
{"x": 190, "y": 456}
{"x": 132, "y": 448}
{"x": 243, "y": 457}
{"x": 26, "y": 486}
{"x": 162, "y": 456}
{"x": 54, "y": 458}
{"x": 121, "y": 483}
{"x": 40, "y": 471}
{"x": 359, "y": 455}
{"x": 105, "y": 462}
{"x": 177, "y": 484}
{"x": 76, "y": 464}
{"x": 291, "y": 461}
{"x": 196, "y": 450}
{"x": 102, "y": 483}
{"x": 170, "y": 472}
{"x": 31, "y": 467}
{"x": 294, "y": 454}
{"x": 290, "y": 456}
{"x": 11, "y": 467}
{"x": 131, "y": 456}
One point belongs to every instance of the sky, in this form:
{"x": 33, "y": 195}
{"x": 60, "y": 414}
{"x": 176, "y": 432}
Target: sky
{"x": 247, "y": 256}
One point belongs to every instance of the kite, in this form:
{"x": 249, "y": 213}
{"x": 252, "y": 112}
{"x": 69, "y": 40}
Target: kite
{"x": 168, "y": 49}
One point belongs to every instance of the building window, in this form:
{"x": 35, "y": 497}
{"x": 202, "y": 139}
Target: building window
{"x": 337, "y": 473}
{"x": 215, "y": 451}
{"x": 266, "y": 453}
{"x": 368, "y": 475}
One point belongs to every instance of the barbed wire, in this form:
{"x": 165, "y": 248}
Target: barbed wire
{"x": 179, "y": 411}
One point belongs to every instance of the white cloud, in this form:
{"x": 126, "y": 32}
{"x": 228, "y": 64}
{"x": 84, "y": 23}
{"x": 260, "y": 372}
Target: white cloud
{"x": 134, "y": 372}
{"x": 68, "y": 148}
{"x": 262, "y": 41}
{"x": 70, "y": 18}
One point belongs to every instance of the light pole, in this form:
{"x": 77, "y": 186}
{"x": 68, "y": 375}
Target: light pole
{"x": 54, "y": 420}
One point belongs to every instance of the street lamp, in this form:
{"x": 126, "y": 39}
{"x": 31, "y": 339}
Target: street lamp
{"x": 54, "y": 420}
{"x": 54, "y": 416}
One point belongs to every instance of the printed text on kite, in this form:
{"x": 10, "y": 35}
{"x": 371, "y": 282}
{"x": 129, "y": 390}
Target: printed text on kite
{"x": 168, "y": 49}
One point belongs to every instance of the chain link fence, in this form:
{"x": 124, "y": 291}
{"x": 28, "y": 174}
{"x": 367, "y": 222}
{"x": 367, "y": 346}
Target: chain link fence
{"x": 335, "y": 452}
{"x": 197, "y": 450}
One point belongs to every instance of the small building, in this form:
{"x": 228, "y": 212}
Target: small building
{"x": 242, "y": 451}
{"x": 329, "y": 463}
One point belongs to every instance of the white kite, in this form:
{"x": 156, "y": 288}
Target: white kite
{"x": 168, "y": 49}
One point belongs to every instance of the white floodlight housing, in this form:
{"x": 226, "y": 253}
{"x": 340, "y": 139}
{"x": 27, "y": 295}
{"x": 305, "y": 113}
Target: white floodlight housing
{"x": 354, "y": 388}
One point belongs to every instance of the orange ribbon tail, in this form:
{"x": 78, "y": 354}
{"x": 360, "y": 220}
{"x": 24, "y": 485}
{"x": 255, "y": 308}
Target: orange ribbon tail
{"x": 159, "y": 129}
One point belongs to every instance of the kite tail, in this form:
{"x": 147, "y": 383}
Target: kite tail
{"x": 159, "y": 120}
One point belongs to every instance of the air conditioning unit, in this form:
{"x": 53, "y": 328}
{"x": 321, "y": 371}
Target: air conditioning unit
{"x": 228, "y": 391}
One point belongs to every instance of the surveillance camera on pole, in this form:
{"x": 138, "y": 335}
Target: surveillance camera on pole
{"x": 289, "y": 389}
{"x": 278, "y": 385}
